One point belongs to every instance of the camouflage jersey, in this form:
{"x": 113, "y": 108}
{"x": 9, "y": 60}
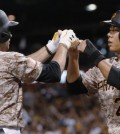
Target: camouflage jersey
{"x": 14, "y": 68}
{"x": 109, "y": 96}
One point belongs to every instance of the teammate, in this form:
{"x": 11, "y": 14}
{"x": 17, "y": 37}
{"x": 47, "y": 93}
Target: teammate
{"x": 16, "y": 68}
{"x": 103, "y": 78}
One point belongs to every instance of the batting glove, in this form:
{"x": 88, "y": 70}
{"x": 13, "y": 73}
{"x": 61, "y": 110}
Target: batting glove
{"x": 53, "y": 44}
{"x": 68, "y": 39}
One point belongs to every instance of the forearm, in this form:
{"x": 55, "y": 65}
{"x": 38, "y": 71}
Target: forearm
{"x": 51, "y": 72}
{"x": 41, "y": 55}
{"x": 60, "y": 57}
{"x": 72, "y": 70}
{"x": 74, "y": 80}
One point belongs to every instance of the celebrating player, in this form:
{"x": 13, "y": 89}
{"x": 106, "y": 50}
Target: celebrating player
{"x": 16, "y": 68}
{"x": 103, "y": 78}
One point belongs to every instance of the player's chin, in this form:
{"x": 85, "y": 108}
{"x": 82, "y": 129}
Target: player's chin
{"x": 112, "y": 49}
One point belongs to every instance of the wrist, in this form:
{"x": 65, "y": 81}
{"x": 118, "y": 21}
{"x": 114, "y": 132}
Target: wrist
{"x": 51, "y": 47}
{"x": 71, "y": 57}
{"x": 48, "y": 51}
{"x": 65, "y": 43}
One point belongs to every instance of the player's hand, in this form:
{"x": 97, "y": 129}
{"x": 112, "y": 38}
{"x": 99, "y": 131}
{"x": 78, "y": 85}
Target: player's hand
{"x": 68, "y": 39}
{"x": 53, "y": 44}
{"x": 81, "y": 46}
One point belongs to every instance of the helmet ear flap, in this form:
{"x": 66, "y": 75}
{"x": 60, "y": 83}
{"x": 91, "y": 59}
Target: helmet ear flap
{"x": 4, "y": 36}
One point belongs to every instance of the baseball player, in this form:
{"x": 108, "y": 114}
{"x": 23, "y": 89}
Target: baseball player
{"x": 103, "y": 78}
{"x": 16, "y": 68}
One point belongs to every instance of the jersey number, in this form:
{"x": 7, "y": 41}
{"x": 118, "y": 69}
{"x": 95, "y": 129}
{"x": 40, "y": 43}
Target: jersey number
{"x": 118, "y": 110}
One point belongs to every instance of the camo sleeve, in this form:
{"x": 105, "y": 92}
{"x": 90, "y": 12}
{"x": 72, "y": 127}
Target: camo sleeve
{"x": 23, "y": 68}
{"x": 91, "y": 80}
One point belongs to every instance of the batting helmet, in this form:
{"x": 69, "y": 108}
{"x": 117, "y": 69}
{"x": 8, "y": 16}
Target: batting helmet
{"x": 5, "y": 23}
{"x": 115, "y": 19}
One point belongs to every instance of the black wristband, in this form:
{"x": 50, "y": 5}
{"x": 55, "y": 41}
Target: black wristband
{"x": 76, "y": 87}
{"x": 96, "y": 57}
{"x": 93, "y": 53}
{"x": 50, "y": 53}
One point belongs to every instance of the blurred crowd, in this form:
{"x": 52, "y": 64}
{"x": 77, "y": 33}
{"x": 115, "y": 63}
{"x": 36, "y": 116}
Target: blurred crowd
{"x": 49, "y": 109}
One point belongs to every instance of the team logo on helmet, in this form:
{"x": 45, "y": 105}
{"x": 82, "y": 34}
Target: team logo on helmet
{"x": 113, "y": 16}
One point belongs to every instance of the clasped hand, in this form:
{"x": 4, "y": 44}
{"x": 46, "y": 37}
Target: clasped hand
{"x": 66, "y": 37}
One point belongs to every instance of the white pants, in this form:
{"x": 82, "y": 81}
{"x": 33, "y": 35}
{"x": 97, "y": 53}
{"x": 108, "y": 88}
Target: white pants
{"x": 11, "y": 131}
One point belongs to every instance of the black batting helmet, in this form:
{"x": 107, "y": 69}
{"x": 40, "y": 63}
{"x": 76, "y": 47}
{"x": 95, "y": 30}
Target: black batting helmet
{"x": 115, "y": 19}
{"x": 5, "y": 23}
